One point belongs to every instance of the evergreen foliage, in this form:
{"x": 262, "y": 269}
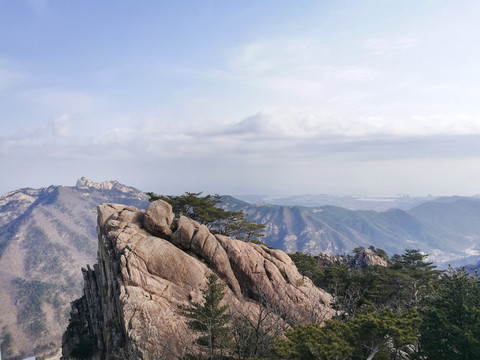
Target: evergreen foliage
{"x": 368, "y": 336}
{"x": 451, "y": 318}
{"x": 378, "y": 310}
{"x": 400, "y": 286}
{"x": 310, "y": 342}
{"x": 384, "y": 334}
{"x": 379, "y": 252}
{"x": 307, "y": 265}
{"x": 210, "y": 319}
{"x": 205, "y": 210}
{"x": 406, "y": 310}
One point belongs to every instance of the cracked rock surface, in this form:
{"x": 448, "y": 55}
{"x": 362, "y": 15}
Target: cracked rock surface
{"x": 150, "y": 264}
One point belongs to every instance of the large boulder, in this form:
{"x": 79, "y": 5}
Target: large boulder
{"x": 158, "y": 219}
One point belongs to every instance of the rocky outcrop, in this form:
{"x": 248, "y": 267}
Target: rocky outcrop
{"x": 132, "y": 296}
{"x": 111, "y": 186}
{"x": 360, "y": 260}
{"x": 85, "y": 183}
{"x": 367, "y": 257}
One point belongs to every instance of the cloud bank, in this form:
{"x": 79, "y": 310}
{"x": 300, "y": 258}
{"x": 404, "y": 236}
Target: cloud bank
{"x": 242, "y": 97}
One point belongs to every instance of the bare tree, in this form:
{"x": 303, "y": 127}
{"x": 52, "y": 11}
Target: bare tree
{"x": 253, "y": 331}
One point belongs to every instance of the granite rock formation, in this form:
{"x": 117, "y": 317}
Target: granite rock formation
{"x": 360, "y": 260}
{"x": 149, "y": 265}
{"x": 367, "y": 257}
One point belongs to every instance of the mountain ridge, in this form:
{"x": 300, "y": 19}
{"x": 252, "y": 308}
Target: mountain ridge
{"x": 336, "y": 230}
{"x": 46, "y": 235}
{"x": 50, "y": 231}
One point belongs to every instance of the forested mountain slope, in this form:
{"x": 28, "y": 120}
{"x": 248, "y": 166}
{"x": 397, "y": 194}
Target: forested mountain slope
{"x": 447, "y": 228}
{"x": 46, "y": 236}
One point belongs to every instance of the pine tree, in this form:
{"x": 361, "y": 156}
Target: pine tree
{"x": 210, "y": 319}
{"x": 206, "y": 211}
{"x": 451, "y": 320}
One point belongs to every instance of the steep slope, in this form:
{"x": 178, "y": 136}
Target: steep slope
{"x": 149, "y": 266}
{"x": 445, "y": 229}
{"x": 45, "y": 236}
{"x": 457, "y": 218}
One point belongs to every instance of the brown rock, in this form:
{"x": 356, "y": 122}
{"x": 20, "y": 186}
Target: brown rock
{"x": 133, "y": 295}
{"x": 158, "y": 219}
{"x": 366, "y": 257}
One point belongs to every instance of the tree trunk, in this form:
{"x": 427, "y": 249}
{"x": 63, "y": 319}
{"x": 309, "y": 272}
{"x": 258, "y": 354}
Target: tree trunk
{"x": 374, "y": 351}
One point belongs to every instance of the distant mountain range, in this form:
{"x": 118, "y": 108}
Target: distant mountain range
{"x": 446, "y": 228}
{"x": 47, "y": 235}
{"x": 350, "y": 202}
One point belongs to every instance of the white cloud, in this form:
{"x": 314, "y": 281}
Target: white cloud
{"x": 285, "y": 123}
{"x": 457, "y": 124}
{"x": 55, "y": 132}
{"x": 295, "y": 64}
{"x": 273, "y": 55}
{"x": 270, "y": 134}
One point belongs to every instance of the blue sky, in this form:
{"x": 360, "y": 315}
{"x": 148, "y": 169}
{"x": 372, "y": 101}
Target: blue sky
{"x": 236, "y": 97}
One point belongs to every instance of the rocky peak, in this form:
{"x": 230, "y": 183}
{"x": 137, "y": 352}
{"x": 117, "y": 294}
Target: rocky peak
{"x": 150, "y": 264}
{"x": 110, "y": 186}
{"x": 85, "y": 183}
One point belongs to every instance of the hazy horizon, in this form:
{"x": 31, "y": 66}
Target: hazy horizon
{"x": 273, "y": 196}
{"x": 372, "y": 98}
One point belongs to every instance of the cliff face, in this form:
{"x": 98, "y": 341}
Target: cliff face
{"x": 149, "y": 264}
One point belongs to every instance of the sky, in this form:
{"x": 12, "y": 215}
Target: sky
{"x": 373, "y": 97}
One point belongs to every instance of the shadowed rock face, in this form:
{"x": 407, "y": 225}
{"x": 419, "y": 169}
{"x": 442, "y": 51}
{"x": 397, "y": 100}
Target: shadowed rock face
{"x": 132, "y": 296}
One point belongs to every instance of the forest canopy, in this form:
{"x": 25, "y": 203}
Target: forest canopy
{"x": 405, "y": 310}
